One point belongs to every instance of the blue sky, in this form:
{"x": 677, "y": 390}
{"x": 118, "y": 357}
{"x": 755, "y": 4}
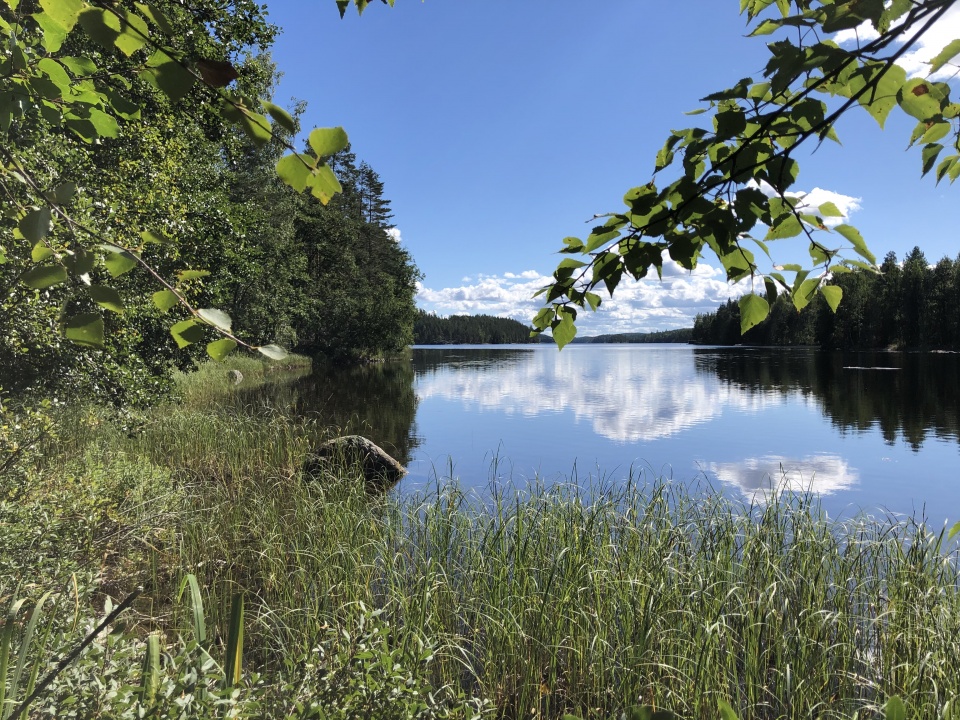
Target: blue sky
{"x": 501, "y": 127}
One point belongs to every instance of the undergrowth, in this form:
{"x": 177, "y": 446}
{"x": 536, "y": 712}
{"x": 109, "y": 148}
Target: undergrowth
{"x": 516, "y": 602}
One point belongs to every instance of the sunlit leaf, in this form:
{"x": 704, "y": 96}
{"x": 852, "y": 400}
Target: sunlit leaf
{"x": 274, "y": 352}
{"x": 832, "y": 294}
{"x": 944, "y": 56}
{"x": 854, "y": 237}
{"x": 327, "y": 141}
{"x": 295, "y": 170}
{"x": 217, "y": 318}
{"x": 118, "y": 261}
{"x": 44, "y": 276}
{"x": 219, "y": 349}
{"x": 186, "y": 333}
{"x": 280, "y": 116}
{"x": 106, "y": 297}
{"x": 168, "y": 76}
{"x": 920, "y": 98}
{"x": 185, "y": 275}
{"x": 895, "y": 709}
{"x": 753, "y": 310}
{"x": 84, "y": 329}
{"x": 165, "y": 299}
{"x": 41, "y": 251}
{"x": 35, "y": 225}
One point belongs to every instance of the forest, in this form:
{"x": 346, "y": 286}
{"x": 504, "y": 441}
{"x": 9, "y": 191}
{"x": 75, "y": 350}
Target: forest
{"x": 324, "y": 280}
{"x": 430, "y": 329}
{"x": 907, "y": 305}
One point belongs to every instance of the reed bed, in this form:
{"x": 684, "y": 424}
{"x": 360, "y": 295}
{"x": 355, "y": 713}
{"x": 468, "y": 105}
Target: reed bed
{"x": 534, "y": 601}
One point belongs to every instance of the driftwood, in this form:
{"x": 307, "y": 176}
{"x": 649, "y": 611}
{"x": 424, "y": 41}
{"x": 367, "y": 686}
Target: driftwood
{"x": 380, "y": 471}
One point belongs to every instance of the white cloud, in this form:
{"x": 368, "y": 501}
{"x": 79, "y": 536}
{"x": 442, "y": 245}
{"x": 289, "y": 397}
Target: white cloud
{"x": 813, "y": 199}
{"x": 929, "y": 46}
{"x": 394, "y": 234}
{"x": 643, "y": 306}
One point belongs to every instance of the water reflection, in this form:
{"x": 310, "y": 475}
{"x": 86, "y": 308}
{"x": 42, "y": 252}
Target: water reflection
{"x": 624, "y": 394}
{"x": 760, "y": 478}
{"x": 375, "y": 400}
{"x": 919, "y": 399}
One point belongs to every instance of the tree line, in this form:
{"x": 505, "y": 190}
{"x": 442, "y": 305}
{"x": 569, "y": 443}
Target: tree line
{"x": 160, "y": 202}
{"x": 908, "y": 305}
{"x": 430, "y": 329}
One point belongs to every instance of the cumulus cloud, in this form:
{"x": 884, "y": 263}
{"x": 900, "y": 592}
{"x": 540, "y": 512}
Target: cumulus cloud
{"x": 916, "y": 62}
{"x": 811, "y": 200}
{"x": 394, "y": 234}
{"x": 643, "y": 306}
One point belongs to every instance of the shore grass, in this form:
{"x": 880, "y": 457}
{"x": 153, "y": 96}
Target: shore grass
{"x": 515, "y": 602}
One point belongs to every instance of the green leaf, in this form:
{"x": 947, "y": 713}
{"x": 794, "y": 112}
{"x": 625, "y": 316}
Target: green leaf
{"x": 186, "y": 333}
{"x": 280, "y": 116}
{"x": 895, "y": 709}
{"x": 41, "y": 251}
{"x": 35, "y": 225}
{"x": 44, "y": 276}
{"x": 149, "y": 236}
{"x": 295, "y": 170}
{"x": 937, "y": 131}
{"x": 186, "y": 275}
{"x": 274, "y": 352}
{"x": 753, "y": 309}
{"x": 106, "y": 297}
{"x": 217, "y": 318}
{"x": 832, "y": 294}
{"x": 929, "y": 156}
{"x": 954, "y": 531}
{"x": 803, "y": 291}
{"x": 854, "y": 237}
{"x": 78, "y": 262}
{"x": 829, "y": 209}
{"x": 105, "y": 125}
{"x": 168, "y": 76}
{"x": 786, "y": 226}
{"x": 257, "y": 127}
{"x": 944, "y": 56}
{"x": 156, "y": 17}
{"x": 219, "y": 349}
{"x": 118, "y": 260}
{"x": 64, "y": 192}
{"x": 323, "y": 184}
{"x": 165, "y": 299}
{"x": 327, "y": 141}
{"x": 85, "y": 329}
{"x": 921, "y": 99}
{"x": 880, "y": 99}
{"x": 57, "y": 20}
{"x": 564, "y": 331}
{"x": 726, "y": 712}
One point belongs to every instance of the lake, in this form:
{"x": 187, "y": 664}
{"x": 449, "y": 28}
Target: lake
{"x": 878, "y": 432}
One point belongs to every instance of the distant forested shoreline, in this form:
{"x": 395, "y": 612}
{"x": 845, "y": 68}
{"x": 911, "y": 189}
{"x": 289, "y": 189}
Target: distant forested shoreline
{"x": 908, "y": 305}
{"x": 431, "y": 329}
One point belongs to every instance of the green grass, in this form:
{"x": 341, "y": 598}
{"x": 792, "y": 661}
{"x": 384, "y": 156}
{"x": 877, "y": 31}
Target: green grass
{"x": 525, "y": 602}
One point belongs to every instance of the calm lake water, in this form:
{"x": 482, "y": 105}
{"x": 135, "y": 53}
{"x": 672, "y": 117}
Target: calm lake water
{"x": 872, "y": 431}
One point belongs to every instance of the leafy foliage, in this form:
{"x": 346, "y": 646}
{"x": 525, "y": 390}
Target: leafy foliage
{"x": 102, "y": 111}
{"x": 733, "y": 188}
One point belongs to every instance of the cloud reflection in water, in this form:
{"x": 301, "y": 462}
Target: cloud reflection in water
{"x": 759, "y": 478}
{"x": 629, "y": 397}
